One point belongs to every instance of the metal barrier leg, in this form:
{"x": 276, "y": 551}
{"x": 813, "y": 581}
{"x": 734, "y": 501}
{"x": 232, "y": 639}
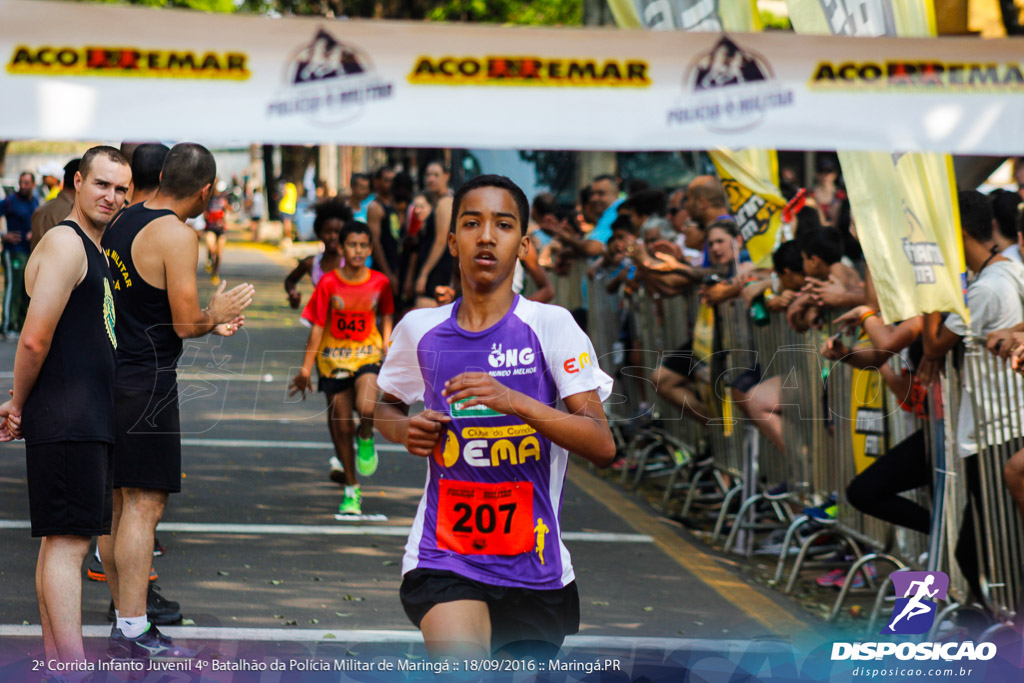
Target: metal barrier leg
{"x": 641, "y": 464}
{"x": 670, "y": 488}
{"x": 741, "y": 517}
{"x": 786, "y": 543}
{"x": 724, "y": 512}
{"x": 691, "y": 493}
{"x": 876, "y": 609}
{"x": 631, "y": 451}
{"x": 848, "y": 581}
{"x": 805, "y": 549}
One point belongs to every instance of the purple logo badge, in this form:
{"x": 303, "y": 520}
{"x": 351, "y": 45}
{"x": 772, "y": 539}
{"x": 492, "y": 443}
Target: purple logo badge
{"x": 916, "y": 593}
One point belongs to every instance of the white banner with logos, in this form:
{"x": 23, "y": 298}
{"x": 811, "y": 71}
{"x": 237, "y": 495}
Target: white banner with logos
{"x": 99, "y": 72}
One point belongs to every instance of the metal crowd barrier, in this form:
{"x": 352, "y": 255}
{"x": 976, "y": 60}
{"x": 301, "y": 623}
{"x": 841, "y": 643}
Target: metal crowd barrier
{"x": 997, "y": 397}
{"x": 819, "y": 459}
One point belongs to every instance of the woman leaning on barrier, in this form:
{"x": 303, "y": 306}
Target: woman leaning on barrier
{"x": 904, "y": 467}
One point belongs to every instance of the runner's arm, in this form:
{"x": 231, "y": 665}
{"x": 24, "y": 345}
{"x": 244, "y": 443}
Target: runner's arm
{"x": 418, "y": 433}
{"x": 316, "y": 335}
{"x": 583, "y": 429}
{"x": 304, "y": 267}
{"x": 387, "y": 324}
{"x": 61, "y": 265}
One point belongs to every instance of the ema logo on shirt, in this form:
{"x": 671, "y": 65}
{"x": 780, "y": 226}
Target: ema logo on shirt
{"x": 509, "y": 358}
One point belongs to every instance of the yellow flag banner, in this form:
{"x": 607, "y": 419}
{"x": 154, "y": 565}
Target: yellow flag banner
{"x": 687, "y": 15}
{"x": 904, "y": 206}
{"x": 750, "y": 178}
{"x": 867, "y": 413}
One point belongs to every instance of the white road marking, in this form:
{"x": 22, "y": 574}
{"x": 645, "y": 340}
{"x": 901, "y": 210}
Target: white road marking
{"x": 325, "y": 530}
{"x": 288, "y": 445}
{"x": 308, "y": 635}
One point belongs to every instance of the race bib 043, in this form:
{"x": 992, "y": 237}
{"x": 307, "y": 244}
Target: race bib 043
{"x": 485, "y": 519}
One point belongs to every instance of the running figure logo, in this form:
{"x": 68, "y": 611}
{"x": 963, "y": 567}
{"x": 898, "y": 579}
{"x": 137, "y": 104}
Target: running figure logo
{"x": 541, "y": 529}
{"x": 914, "y": 612}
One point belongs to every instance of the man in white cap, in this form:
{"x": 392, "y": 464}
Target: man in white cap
{"x": 58, "y": 208}
{"x": 49, "y": 187}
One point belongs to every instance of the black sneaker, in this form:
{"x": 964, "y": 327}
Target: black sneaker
{"x": 150, "y": 645}
{"x": 158, "y": 547}
{"x": 159, "y": 610}
{"x": 95, "y": 572}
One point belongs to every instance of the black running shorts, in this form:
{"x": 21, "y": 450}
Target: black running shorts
{"x": 336, "y": 385}
{"x": 524, "y": 622}
{"x": 147, "y": 454}
{"x": 70, "y": 488}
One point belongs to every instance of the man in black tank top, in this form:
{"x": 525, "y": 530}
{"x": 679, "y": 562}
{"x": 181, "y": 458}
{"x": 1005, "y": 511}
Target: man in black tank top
{"x": 385, "y": 227}
{"x": 153, "y": 255}
{"x": 67, "y": 419}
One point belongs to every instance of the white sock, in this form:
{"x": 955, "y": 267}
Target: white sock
{"x": 117, "y": 613}
{"x": 351, "y": 490}
{"x": 133, "y": 627}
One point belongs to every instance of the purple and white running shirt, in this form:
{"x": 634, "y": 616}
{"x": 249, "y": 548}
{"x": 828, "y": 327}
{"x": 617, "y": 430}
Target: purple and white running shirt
{"x": 490, "y": 510}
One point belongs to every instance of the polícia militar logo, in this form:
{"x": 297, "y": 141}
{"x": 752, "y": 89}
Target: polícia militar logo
{"x": 916, "y": 596}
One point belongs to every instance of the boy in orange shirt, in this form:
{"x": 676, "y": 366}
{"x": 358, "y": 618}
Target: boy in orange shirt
{"x": 348, "y": 349}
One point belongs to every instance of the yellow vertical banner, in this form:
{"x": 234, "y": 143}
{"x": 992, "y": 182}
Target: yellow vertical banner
{"x": 750, "y": 179}
{"x": 867, "y": 414}
{"x": 904, "y": 206}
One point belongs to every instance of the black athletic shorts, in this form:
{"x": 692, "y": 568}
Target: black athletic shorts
{"x": 524, "y": 622}
{"x": 681, "y": 361}
{"x": 217, "y": 230}
{"x": 70, "y": 488}
{"x": 336, "y": 385}
{"x": 147, "y": 454}
{"x": 747, "y": 380}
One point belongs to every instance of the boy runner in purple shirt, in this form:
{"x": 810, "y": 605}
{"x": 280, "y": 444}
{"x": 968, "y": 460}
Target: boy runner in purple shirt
{"x": 485, "y": 569}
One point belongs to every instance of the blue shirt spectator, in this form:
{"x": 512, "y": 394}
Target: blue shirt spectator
{"x": 17, "y": 209}
{"x": 602, "y": 231}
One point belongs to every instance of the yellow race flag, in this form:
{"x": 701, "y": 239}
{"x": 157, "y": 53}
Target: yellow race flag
{"x": 904, "y": 206}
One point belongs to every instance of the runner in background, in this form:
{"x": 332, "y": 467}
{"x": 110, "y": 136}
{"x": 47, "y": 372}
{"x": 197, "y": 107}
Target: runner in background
{"x": 483, "y": 577}
{"x": 287, "y": 207}
{"x": 215, "y": 231}
{"x": 385, "y": 226}
{"x": 347, "y": 348}
{"x": 435, "y": 263}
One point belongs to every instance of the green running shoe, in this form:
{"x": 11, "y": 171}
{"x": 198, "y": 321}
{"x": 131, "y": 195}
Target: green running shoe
{"x": 366, "y": 456}
{"x": 352, "y": 503}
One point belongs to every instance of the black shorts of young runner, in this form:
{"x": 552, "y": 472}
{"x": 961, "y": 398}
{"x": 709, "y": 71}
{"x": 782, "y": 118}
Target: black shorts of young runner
{"x": 147, "y": 454}
{"x": 70, "y": 488}
{"x": 525, "y": 623}
{"x": 217, "y": 230}
{"x": 336, "y": 385}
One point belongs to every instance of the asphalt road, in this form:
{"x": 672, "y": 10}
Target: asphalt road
{"x": 257, "y": 559}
